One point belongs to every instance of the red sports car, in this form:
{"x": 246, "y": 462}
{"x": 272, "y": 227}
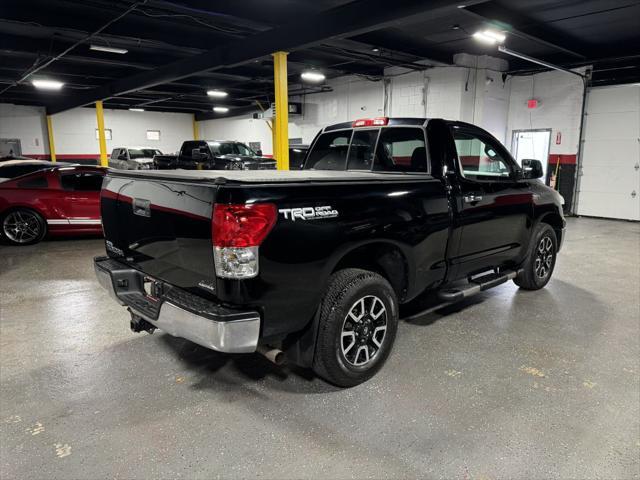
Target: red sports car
{"x": 51, "y": 199}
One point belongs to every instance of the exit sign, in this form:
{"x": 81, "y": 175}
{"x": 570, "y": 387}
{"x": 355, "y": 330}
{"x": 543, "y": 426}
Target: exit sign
{"x": 533, "y": 103}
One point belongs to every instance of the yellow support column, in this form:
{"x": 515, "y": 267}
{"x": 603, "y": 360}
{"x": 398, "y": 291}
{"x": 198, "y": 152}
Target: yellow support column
{"x": 52, "y": 147}
{"x": 281, "y": 120}
{"x": 196, "y": 131}
{"x": 101, "y": 138}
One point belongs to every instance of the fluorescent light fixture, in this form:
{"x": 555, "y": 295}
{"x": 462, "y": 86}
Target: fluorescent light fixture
{"x": 220, "y": 109}
{"x": 313, "y": 76}
{"x": 490, "y": 36}
{"x": 100, "y": 48}
{"x": 47, "y": 84}
{"x": 217, "y": 93}
{"x": 136, "y": 109}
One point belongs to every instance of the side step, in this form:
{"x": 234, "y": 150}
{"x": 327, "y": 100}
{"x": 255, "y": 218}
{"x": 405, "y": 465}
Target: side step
{"x": 475, "y": 285}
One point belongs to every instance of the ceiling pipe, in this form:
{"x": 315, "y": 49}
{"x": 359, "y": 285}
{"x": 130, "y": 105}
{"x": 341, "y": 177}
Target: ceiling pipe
{"x": 522, "y": 56}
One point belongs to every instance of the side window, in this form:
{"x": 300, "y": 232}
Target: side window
{"x": 330, "y": 151}
{"x": 479, "y": 157}
{"x": 401, "y": 150}
{"x": 187, "y": 147}
{"x": 81, "y": 182}
{"x": 123, "y": 154}
{"x": 36, "y": 182}
{"x": 361, "y": 150}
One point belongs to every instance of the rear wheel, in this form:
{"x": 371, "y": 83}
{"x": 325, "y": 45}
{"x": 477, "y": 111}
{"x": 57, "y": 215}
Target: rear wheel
{"x": 358, "y": 324}
{"x": 541, "y": 259}
{"x": 23, "y": 227}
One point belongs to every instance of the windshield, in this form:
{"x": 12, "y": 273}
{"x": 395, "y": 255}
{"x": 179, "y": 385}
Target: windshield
{"x": 231, "y": 148}
{"x": 143, "y": 153}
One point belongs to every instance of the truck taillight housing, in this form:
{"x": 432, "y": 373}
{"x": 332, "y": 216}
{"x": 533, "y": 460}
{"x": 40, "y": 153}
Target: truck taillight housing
{"x": 237, "y": 231}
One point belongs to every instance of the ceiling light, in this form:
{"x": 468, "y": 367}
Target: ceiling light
{"x": 220, "y": 109}
{"x": 490, "y": 36}
{"x": 375, "y": 49}
{"x": 47, "y": 84}
{"x": 217, "y": 93}
{"x": 100, "y": 48}
{"x": 136, "y": 109}
{"x": 313, "y": 76}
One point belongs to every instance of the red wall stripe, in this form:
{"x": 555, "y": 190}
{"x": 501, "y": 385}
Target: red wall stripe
{"x": 564, "y": 159}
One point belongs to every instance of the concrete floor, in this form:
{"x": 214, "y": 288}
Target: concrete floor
{"x": 510, "y": 384}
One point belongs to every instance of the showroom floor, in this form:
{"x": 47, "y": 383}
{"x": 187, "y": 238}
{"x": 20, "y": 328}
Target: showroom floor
{"x": 510, "y": 384}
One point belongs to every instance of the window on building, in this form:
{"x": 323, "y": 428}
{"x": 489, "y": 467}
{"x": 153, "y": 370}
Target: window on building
{"x": 153, "y": 135}
{"x": 107, "y": 134}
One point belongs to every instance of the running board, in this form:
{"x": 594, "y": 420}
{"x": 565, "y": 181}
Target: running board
{"x": 476, "y": 285}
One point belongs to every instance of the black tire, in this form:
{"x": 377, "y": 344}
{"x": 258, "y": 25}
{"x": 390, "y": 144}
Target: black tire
{"x": 541, "y": 259}
{"x": 355, "y": 293}
{"x": 22, "y": 226}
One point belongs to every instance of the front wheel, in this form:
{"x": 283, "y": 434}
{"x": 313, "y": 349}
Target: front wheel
{"x": 541, "y": 259}
{"x": 357, "y": 327}
{"x": 23, "y": 227}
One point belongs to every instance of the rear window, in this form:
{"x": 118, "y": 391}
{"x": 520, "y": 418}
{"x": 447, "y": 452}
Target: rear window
{"x": 401, "y": 150}
{"x": 13, "y": 171}
{"x": 330, "y": 151}
{"x": 392, "y": 149}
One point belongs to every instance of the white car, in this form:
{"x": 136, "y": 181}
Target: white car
{"x": 133, "y": 158}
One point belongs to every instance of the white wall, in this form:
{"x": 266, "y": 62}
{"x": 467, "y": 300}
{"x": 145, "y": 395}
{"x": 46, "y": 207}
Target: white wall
{"x": 560, "y": 96}
{"x": 74, "y": 130}
{"x": 27, "y": 124}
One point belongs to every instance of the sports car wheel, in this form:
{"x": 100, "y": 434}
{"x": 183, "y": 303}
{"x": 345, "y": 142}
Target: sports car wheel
{"x": 23, "y": 227}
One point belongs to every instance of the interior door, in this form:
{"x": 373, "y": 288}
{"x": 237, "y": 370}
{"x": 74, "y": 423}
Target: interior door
{"x": 494, "y": 210}
{"x": 532, "y": 145}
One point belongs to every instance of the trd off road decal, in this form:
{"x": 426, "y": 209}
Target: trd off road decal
{"x": 308, "y": 213}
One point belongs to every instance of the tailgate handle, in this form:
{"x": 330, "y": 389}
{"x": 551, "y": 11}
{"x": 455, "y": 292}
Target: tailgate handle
{"x": 141, "y": 207}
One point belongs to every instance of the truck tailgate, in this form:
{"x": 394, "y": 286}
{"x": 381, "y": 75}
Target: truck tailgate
{"x": 161, "y": 227}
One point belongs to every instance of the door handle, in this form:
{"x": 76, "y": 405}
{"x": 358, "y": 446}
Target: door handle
{"x": 472, "y": 198}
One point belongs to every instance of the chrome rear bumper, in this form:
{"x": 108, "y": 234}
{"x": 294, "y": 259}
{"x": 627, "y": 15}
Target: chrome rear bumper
{"x": 180, "y": 313}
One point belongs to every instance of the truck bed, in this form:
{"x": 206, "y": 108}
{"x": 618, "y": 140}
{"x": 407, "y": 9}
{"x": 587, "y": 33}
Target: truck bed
{"x": 267, "y": 176}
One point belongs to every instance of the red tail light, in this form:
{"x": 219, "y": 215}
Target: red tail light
{"x": 242, "y": 225}
{"x": 371, "y": 122}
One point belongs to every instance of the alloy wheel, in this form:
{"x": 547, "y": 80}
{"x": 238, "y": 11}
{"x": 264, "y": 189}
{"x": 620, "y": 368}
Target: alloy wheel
{"x": 544, "y": 257}
{"x": 21, "y": 226}
{"x": 363, "y": 331}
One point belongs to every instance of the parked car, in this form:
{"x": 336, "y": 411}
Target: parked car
{"x": 214, "y": 155}
{"x": 57, "y": 200}
{"x": 315, "y": 263}
{"x": 133, "y": 158}
{"x": 297, "y": 154}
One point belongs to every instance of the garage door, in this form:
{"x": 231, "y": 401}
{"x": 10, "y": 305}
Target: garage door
{"x": 610, "y": 181}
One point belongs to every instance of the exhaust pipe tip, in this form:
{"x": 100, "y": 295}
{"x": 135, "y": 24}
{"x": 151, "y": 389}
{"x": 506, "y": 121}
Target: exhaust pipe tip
{"x": 274, "y": 355}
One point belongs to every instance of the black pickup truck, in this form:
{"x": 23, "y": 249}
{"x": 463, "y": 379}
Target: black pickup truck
{"x": 214, "y": 155}
{"x": 313, "y": 264}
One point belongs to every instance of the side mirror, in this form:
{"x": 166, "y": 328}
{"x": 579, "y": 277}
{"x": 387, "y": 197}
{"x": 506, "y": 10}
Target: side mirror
{"x": 259, "y": 152}
{"x": 198, "y": 154}
{"x": 532, "y": 168}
